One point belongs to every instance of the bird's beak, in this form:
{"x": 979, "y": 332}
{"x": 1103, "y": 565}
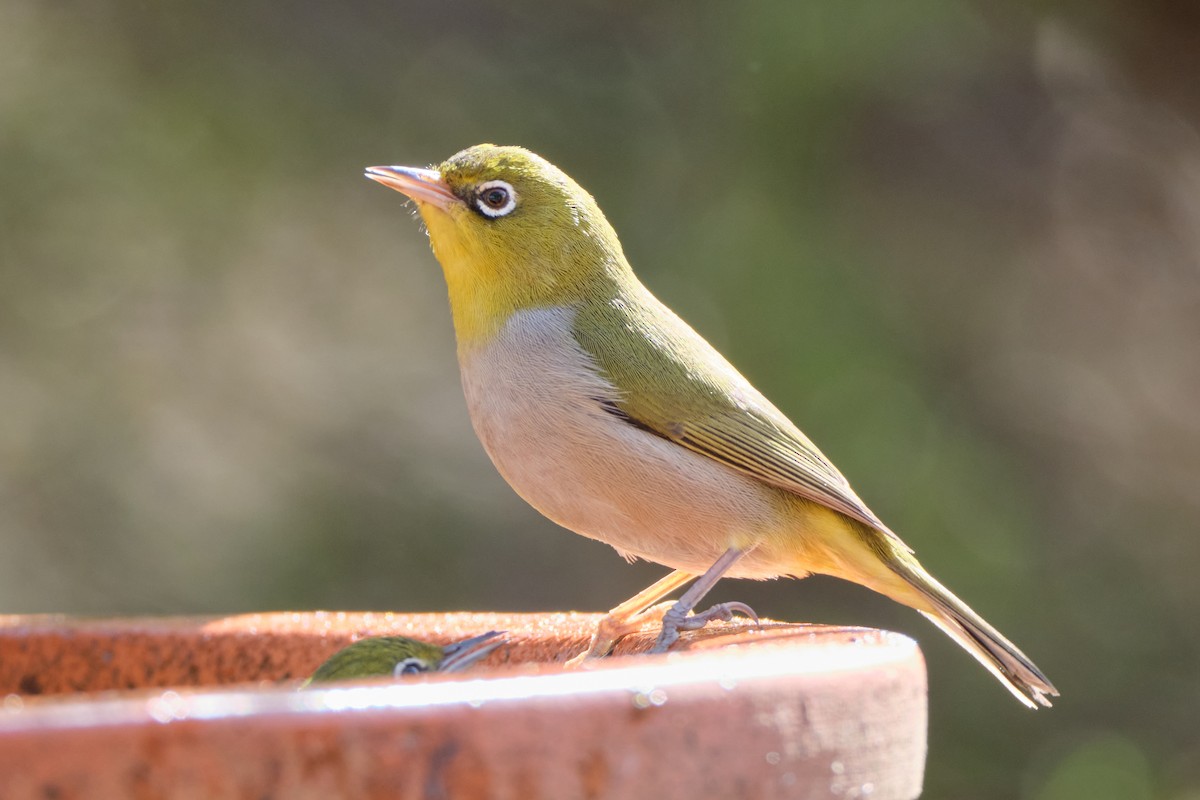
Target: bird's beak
{"x": 422, "y": 185}
{"x": 460, "y": 655}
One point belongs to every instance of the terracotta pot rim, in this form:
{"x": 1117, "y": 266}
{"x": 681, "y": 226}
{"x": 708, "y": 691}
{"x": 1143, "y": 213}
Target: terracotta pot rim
{"x": 740, "y": 711}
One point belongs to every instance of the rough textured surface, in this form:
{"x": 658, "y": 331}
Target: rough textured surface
{"x": 788, "y": 711}
{"x": 52, "y": 655}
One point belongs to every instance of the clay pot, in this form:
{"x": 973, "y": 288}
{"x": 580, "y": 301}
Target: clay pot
{"x": 189, "y": 707}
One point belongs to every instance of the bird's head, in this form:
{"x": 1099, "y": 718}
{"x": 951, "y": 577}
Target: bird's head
{"x": 398, "y": 656}
{"x": 511, "y": 231}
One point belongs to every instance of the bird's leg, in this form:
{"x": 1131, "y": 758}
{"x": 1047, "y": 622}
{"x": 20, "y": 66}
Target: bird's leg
{"x": 677, "y": 618}
{"x": 629, "y": 616}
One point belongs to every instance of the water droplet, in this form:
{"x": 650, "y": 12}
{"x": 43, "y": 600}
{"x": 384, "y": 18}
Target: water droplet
{"x": 837, "y": 768}
{"x": 650, "y": 696}
{"x": 167, "y": 707}
{"x": 13, "y": 702}
{"x": 773, "y": 758}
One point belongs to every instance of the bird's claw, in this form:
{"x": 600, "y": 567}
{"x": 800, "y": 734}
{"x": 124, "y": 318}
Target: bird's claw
{"x": 677, "y": 619}
{"x": 612, "y": 629}
{"x": 721, "y": 611}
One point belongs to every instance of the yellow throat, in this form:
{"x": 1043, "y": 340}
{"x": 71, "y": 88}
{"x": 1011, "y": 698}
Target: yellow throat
{"x": 512, "y": 232}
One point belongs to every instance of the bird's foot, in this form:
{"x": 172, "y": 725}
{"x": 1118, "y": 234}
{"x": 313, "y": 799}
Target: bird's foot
{"x": 678, "y": 619}
{"x": 615, "y": 627}
{"x": 630, "y": 616}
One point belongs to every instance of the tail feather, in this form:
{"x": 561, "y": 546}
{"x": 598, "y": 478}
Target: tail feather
{"x": 1001, "y": 658}
{"x": 997, "y": 654}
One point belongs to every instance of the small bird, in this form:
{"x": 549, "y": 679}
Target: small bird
{"x": 397, "y": 656}
{"x": 612, "y": 417}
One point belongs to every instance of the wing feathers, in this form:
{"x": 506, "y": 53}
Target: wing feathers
{"x": 692, "y": 396}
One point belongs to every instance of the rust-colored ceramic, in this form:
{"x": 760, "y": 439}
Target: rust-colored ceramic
{"x": 208, "y": 708}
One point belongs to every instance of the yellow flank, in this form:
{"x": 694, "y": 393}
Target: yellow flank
{"x": 611, "y": 416}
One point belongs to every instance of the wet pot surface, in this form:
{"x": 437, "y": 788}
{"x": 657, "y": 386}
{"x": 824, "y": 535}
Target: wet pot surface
{"x": 208, "y": 707}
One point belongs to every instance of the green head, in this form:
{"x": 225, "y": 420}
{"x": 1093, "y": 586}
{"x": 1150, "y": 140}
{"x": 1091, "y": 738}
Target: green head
{"x": 397, "y": 656}
{"x": 511, "y": 231}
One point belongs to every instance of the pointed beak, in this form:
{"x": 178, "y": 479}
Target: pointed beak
{"x": 460, "y": 655}
{"x": 422, "y": 185}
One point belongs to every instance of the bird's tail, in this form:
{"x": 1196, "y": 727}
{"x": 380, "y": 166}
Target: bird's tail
{"x": 1000, "y": 656}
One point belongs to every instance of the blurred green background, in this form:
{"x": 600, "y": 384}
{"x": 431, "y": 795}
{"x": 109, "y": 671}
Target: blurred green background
{"x": 958, "y": 243}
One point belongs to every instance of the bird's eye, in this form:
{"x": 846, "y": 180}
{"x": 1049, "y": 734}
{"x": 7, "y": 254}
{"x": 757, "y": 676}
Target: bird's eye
{"x": 495, "y": 199}
{"x": 410, "y": 666}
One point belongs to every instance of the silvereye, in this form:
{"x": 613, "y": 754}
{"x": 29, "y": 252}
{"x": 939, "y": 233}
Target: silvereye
{"x": 397, "y": 656}
{"x": 611, "y": 416}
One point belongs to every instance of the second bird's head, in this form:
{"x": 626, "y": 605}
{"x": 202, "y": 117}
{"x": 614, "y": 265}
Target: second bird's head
{"x": 510, "y": 229}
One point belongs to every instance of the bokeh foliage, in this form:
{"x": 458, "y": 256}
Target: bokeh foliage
{"x": 956, "y": 243}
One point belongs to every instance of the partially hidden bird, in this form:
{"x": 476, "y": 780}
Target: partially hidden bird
{"x": 398, "y": 656}
{"x": 608, "y": 414}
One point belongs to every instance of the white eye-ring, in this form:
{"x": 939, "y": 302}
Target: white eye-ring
{"x": 495, "y": 199}
{"x": 410, "y": 666}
